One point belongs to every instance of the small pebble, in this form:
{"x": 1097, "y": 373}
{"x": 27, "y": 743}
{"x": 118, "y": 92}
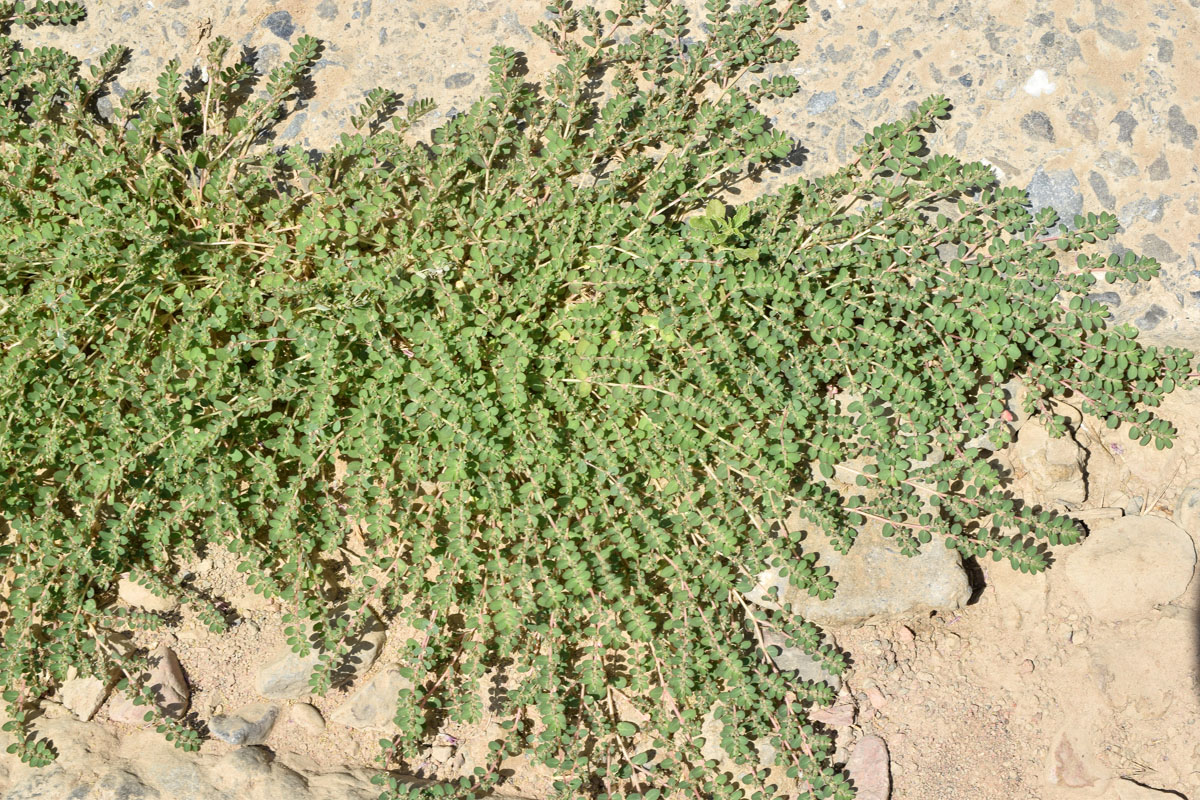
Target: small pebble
{"x": 868, "y": 768}
{"x": 1026, "y": 667}
{"x": 307, "y": 717}
{"x": 249, "y": 726}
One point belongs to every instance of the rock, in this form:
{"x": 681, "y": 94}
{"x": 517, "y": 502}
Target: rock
{"x": 794, "y": 659}
{"x": 1100, "y": 188}
{"x": 83, "y": 696}
{"x": 171, "y": 693}
{"x": 1160, "y": 169}
{"x": 1187, "y": 509}
{"x": 1125, "y": 569}
{"x": 1057, "y": 189}
{"x": 710, "y": 730}
{"x": 373, "y": 705}
{"x": 884, "y": 82}
{"x": 875, "y": 580}
{"x": 140, "y": 597}
{"x": 1114, "y": 36}
{"x": 1166, "y": 50}
{"x": 45, "y": 783}
{"x": 821, "y": 102}
{"x": 248, "y": 603}
{"x": 459, "y": 80}
{"x": 280, "y": 23}
{"x": 1182, "y": 131}
{"x": 1037, "y": 125}
{"x": 285, "y": 676}
{"x": 246, "y": 763}
{"x": 253, "y": 771}
{"x": 122, "y": 785}
{"x": 327, "y": 9}
{"x": 1149, "y": 321}
{"x": 250, "y": 725}
{"x": 1051, "y": 468}
{"x": 93, "y": 764}
{"x": 1156, "y": 247}
{"x": 1125, "y": 123}
{"x": 838, "y": 715}
{"x": 1145, "y": 208}
{"x": 869, "y": 769}
{"x": 1083, "y": 123}
{"x": 1110, "y": 299}
{"x": 307, "y": 717}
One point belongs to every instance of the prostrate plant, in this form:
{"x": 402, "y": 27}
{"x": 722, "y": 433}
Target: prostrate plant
{"x": 563, "y": 394}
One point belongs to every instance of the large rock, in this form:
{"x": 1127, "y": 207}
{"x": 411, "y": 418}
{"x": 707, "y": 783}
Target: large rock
{"x": 93, "y": 764}
{"x": 242, "y": 773}
{"x": 83, "y": 695}
{"x": 307, "y": 717}
{"x": 166, "y": 680}
{"x": 1050, "y": 469}
{"x": 875, "y": 580}
{"x": 794, "y": 659}
{"x": 373, "y": 705}
{"x": 285, "y": 675}
{"x": 1128, "y": 567}
{"x": 710, "y": 730}
{"x": 1187, "y": 510}
{"x": 140, "y": 597}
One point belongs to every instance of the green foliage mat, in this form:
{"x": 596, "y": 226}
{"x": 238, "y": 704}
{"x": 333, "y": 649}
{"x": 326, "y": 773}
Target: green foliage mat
{"x": 567, "y": 394}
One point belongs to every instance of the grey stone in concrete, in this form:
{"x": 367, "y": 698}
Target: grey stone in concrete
{"x": 1057, "y": 189}
{"x": 821, "y": 102}
{"x": 1037, "y": 125}
{"x": 1181, "y": 131}
{"x": 280, "y": 23}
